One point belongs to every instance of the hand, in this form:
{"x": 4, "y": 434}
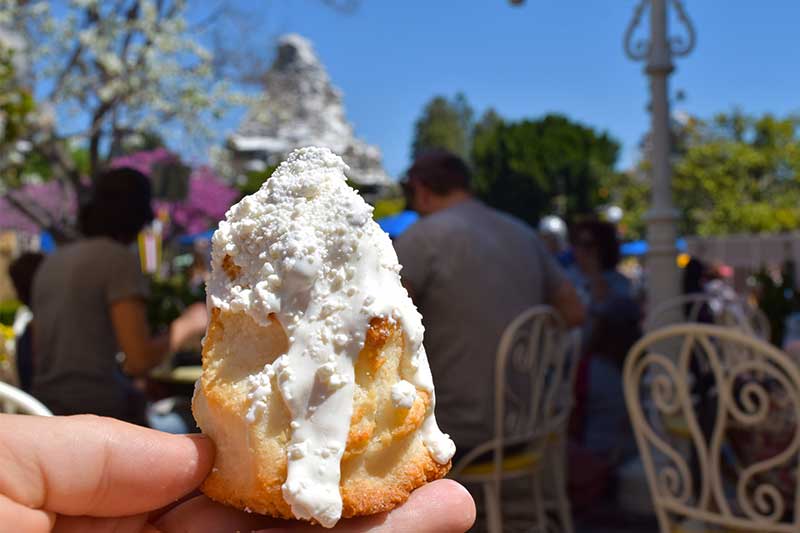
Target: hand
{"x": 443, "y": 506}
{"x": 191, "y": 324}
{"x": 195, "y": 318}
{"x": 86, "y": 473}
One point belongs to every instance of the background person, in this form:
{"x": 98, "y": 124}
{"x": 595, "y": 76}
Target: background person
{"x": 596, "y": 249}
{"x": 471, "y": 270}
{"x": 22, "y": 271}
{"x": 89, "y": 298}
{"x": 599, "y": 428}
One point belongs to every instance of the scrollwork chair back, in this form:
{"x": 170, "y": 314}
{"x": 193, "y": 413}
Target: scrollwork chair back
{"x": 731, "y": 312}
{"x": 533, "y": 378}
{"x": 17, "y": 401}
{"x": 534, "y": 375}
{"x": 735, "y": 465}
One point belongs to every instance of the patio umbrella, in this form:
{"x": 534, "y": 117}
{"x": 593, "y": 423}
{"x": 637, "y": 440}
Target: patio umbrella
{"x": 395, "y": 225}
{"x": 637, "y": 248}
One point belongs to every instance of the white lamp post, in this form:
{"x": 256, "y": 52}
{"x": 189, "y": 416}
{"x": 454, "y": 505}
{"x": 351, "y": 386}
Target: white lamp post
{"x": 658, "y": 51}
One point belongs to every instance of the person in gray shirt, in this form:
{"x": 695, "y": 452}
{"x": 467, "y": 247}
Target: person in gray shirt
{"x": 89, "y": 306}
{"x": 471, "y": 270}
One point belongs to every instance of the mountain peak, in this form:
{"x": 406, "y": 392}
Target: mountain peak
{"x": 294, "y": 49}
{"x": 301, "y": 107}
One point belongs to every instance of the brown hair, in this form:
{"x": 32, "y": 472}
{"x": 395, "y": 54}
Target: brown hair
{"x": 440, "y": 171}
{"x": 119, "y": 207}
{"x": 604, "y": 237}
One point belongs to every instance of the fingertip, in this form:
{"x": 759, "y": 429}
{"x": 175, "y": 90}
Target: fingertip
{"x": 458, "y": 502}
{"x": 463, "y": 502}
{"x": 203, "y": 445}
{"x": 202, "y": 451}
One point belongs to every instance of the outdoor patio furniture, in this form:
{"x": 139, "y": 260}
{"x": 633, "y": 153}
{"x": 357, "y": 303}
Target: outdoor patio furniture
{"x": 735, "y": 312}
{"x": 736, "y": 467}
{"x": 17, "y": 401}
{"x": 534, "y": 375}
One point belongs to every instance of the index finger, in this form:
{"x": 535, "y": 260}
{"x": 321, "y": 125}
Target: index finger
{"x": 87, "y": 465}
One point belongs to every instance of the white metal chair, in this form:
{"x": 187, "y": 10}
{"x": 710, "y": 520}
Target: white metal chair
{"x": 735, "y": 312}
{"x": 17, "y": 401}
{"x": 728, "y": 479}
{"x": 534, "y": 375}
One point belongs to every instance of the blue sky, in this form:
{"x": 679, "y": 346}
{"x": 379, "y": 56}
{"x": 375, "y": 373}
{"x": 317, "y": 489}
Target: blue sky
{"x": 390, "y": 57}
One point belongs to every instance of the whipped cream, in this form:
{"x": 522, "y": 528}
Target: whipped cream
{"x": 309, "y": 254}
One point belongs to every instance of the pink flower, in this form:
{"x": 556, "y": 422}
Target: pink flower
{"x": 206, "y": 202}
{"x": 53, "y": 199}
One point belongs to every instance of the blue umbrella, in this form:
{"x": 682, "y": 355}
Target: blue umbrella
{"x": 189, "y": 239}
{"x": 395, "y": 225}
{"x": 641, "y": 247}
{"x": 633, "y": 248}
{"x": 46, "y": 242}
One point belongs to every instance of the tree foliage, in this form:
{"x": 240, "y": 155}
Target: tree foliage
{"x": 118, "y": 68}
{"x": 444, "y": 124}
{"x": 105, "y": 75}
{"x": 535, "y": 167}
{"x": 733, "y": 173}
{"x": 631, "y": 192}
{"x": 739, "y": 174}
{"x": 16, "y": 110}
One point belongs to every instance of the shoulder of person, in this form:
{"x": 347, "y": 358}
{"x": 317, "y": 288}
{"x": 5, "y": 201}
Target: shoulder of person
{"x": 511, "y": 220}
{"x": 55, "y": 259}
{"x": 109, "y": 246}
{"x": 431, "y": 227}
{"x": 619, "y": 284}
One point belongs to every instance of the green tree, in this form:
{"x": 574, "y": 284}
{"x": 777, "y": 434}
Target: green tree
{"x": 118, "y": 69}
{"x": 739, "y": 174}
{"x": 485, "y": 138}
{"x": 631, "y": 192}
{"x": 121, "y": 70}
{"x": 444, "y": 124}
{"x": 254, "y": 179}
{"x": 16, "y": 109}
{"x": 535, "y": 167}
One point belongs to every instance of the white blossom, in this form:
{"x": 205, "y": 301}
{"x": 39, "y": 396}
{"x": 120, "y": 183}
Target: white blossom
{"x": 146, "y": 73}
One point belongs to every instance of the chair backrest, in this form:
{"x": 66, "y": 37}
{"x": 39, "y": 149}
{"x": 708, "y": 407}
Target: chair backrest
{"x": 733, "y": 459}
{"x": 16, "y": 401}
{"x": 534, "y": 374}
{"x": 733, "y": 312}
{"x": 534, "y": 377}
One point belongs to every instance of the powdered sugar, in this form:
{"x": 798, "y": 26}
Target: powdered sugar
{"x": 403, "y": 394}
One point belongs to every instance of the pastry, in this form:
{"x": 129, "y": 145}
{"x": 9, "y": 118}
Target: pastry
{"x": 315, "y": 386}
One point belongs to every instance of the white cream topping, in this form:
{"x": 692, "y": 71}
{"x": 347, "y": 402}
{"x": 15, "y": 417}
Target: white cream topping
{"x": 403, "y": 394}
{"x": 310, "y": 253}
{"x": 260, "y": 389}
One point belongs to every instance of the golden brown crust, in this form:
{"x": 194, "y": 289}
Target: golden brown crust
{"x": 231, "y": 269}
{"x": 384, "y": 459}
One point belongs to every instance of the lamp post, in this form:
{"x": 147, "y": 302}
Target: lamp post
{"x": 658, "y": 51}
